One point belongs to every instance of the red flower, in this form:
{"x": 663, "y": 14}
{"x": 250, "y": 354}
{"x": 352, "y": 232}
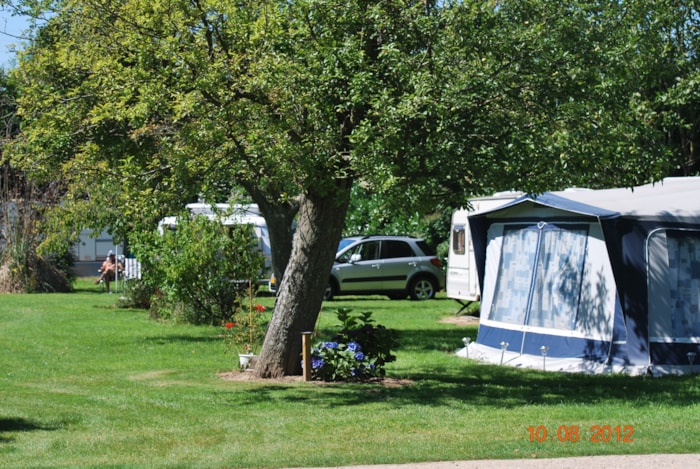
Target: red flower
{"x": 229, "y": 325}
{"x": 260, "y": 308}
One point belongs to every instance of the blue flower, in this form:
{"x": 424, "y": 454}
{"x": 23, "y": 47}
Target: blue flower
{"x": 354, "y": 347}
{"x": 317, "y": 363}
{"x": 359, "y": 356}
{"x": 332, "y": 345}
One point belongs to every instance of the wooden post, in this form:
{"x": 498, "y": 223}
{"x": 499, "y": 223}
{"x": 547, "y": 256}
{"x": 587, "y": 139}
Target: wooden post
{"x": 306, "y": 354}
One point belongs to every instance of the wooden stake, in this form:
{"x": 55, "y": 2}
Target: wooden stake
{"x": 306, "y": 354}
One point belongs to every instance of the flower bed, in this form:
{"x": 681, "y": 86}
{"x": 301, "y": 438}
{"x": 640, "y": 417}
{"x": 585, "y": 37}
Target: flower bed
{"x": 358, "y": 352}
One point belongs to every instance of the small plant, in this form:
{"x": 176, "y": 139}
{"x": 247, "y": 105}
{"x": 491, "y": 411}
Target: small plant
{"x": 138, "y": 294}
{"x": 246, "y": 331}
{"x": 358, "y": 352}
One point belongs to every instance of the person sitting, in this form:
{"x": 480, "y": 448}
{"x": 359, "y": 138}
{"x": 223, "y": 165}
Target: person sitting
{"x": 108, "y": 270}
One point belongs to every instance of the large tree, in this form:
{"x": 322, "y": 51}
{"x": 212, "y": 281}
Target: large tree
{"x": 137, "y": 102}
{"x": 137, "y": 105}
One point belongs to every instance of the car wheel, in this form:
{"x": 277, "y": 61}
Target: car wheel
{"x": 422, "y": 288}
{"x": 329, "y": 293}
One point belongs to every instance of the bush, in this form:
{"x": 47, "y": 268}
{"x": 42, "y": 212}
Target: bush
{"x": 137, "y": 294}
{"x": 359, "y": 352}
{"x": 199, "y": 272}
{"x": 22, "y": 268}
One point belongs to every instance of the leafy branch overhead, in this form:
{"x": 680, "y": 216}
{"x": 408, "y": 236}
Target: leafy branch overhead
{"x": 197, "y": 95}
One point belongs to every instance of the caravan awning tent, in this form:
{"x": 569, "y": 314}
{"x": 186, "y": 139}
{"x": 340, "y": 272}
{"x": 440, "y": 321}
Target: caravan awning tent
{"x": 592, "y": 280}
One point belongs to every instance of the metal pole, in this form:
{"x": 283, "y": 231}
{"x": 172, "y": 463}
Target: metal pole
{"x": 250, "y": 311}
{"x": 466, "y": 341}
{"x": 504, "y": 347}
{"x": 544, "y": 349}
{"x": 116, "y": 266}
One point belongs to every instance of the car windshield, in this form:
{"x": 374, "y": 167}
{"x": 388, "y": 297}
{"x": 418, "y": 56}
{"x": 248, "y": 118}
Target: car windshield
{"x": 345, "y": 242}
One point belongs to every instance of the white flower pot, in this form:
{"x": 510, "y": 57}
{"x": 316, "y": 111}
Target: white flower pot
{"x": 247, "y": 360}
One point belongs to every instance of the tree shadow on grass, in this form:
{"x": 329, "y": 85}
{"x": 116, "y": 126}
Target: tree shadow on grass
{"x": 488, "y": 386}
{"x": 186, "y": 339}
{"x": 447, "y": 339}
{"x": 13, "y": 425}
{"x": 454, "y": 381}
{"x": 507, "y": 387}
{"x": 504, "y": 386}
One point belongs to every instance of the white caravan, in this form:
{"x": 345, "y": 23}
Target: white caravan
{"x": 94, "y": 248}
{"x": 462, "y": 278}
{"x": 91, "y": 250}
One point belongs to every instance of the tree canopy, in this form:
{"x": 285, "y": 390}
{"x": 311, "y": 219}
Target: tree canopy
{"x": 139, "y": 106}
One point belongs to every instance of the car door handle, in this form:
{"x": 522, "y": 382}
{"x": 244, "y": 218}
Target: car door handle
{"x": 375, "y": 266}
{"x": 413, "y": 264}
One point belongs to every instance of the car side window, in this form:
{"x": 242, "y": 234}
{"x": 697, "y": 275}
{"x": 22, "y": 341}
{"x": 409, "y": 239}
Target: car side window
{"x": 394, "y": 249}
{"x": 344, "y": 258}
{"x": 368, "y": 251}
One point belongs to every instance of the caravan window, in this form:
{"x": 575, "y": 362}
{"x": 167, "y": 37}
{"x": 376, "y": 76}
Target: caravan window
{"x": 539, "y": 280}
{"x": 458, "y": 239}
{"x": 674, "y": 285}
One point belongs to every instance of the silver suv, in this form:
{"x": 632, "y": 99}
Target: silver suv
{"x": 396, "y": 266}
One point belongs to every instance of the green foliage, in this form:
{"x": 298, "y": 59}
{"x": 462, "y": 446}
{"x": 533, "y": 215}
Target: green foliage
{"x": 535, "y": 96}
{"x": 373, "y": 213}
{"x": 201, "y": 270}
{"x": 370, "y": 213}
{"x": 137, "y": 294}
{"x": 358, "y": 352}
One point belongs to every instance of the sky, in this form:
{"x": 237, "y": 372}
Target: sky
{"x": 10, "y": 26}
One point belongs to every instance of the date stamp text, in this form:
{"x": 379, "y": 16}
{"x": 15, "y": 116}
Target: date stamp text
{"x": 574, "y": 433}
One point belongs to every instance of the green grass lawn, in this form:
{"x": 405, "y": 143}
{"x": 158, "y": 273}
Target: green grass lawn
{"x": 83, "y": 383}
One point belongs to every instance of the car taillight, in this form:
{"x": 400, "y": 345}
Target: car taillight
{"x": 436, "y": 262}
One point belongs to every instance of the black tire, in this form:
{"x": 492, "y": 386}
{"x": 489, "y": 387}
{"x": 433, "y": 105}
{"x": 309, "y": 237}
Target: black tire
{"x": 330, "y": 291}
{"x": 422, "y": 288}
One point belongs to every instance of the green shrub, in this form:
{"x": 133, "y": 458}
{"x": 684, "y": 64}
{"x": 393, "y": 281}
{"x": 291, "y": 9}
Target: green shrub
{"x": 358, "y": 352}
{"x": 137, "y": 294}
{"x": 199, "y": 272}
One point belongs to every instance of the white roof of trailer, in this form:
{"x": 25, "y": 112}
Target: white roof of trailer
{"x": 672, "y": 199}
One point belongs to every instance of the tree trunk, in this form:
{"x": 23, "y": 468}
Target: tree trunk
{"x": 319, "y": 228}
{"x": 279, "y": 219}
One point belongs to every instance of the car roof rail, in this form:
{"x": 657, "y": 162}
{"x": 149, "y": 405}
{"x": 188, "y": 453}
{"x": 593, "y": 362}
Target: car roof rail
{"x": 387, "y": 236}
